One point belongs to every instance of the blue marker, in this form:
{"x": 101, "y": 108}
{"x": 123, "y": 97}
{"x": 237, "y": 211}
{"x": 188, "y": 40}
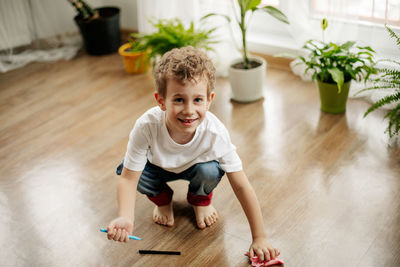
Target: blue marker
{"x": 130, "y": 237}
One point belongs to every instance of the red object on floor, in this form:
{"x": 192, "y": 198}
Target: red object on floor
{"x": 257, "y": 263}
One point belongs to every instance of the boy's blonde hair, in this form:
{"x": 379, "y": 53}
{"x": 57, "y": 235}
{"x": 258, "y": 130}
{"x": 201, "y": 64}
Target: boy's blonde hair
{"x": 184, "y": 64}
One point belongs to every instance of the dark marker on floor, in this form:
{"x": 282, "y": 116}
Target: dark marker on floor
{"x": 159, "y": 252}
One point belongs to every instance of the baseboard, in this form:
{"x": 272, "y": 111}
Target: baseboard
{"x": 276, "y": 62}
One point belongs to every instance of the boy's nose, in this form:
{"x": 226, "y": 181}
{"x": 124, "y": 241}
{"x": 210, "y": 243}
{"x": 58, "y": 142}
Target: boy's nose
{"x": 189, "y": 108}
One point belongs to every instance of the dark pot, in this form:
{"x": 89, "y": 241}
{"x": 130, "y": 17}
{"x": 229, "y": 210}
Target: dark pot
{"x": 101, "y": 35}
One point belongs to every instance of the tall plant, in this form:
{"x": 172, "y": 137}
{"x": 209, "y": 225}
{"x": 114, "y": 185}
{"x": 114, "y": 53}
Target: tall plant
{"x": 388, "y": 79}
{"x": 247, "y": 8}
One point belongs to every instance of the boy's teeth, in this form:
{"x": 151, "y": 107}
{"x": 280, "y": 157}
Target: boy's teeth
{"x": 191, "y": 120}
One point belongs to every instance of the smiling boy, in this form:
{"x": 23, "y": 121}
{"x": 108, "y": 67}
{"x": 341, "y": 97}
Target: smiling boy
{"x": 181, "y": 139}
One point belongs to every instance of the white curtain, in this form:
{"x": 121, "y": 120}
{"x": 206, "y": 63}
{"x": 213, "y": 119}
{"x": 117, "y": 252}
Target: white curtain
{"x": 24, "y": 22}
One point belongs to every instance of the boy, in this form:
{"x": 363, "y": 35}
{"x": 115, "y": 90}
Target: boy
{"x": 180, "y": 139}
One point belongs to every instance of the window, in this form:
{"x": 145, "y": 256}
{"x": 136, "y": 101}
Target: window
{"x": 357, "y": 20}
{"x": 375, "y": 11}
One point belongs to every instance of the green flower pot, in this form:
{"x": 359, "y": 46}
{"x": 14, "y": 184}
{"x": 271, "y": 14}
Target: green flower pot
{"x": 331, "y": 101}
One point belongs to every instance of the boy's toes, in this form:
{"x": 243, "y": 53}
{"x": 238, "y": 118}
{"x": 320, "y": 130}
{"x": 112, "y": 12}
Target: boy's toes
{"x": 163, "y": 220}
{"x": 170, "y": 222}
{"x": 156, "y": 219}
{"x": 201, "y": 224}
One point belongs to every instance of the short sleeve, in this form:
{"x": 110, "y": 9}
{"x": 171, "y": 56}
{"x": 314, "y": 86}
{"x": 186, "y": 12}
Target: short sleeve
{"x": 228, "y": 158}
{"x": 138, "y": 147}
{"x": 231, "y": 162}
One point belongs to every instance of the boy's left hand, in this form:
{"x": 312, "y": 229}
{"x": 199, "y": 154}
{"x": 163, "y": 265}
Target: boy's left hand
{"x": 263, "y": 249}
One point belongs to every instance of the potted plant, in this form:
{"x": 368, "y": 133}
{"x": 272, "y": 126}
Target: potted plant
{"x": 135, "y": 55}
{"x": 246, "y": 75}
{"x": 99, "y": 27}
{"x": 171, "y": 33}
{"x": 388, "y": 79}
{"x": 334, "y": 66}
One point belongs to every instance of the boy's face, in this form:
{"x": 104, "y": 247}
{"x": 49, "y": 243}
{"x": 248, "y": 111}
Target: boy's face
{"x": 186, "y": 106}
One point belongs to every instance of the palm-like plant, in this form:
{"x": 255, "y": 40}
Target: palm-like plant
{"x": 247, "y": 8}
{"x": 388, "y": 79}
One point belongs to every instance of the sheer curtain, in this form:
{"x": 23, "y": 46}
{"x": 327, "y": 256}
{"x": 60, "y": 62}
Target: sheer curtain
{"x": 36, "y": 30}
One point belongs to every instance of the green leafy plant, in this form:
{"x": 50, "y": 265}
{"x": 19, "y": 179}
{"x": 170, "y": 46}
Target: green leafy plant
{"x": 388, "y": 79}
{"x": 338, "y": 63}
{"x": 247, "y": 8}
{"x": 171, "y": 33}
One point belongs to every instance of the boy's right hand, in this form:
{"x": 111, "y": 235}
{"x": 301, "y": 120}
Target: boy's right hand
{"x": 119, "y": 229}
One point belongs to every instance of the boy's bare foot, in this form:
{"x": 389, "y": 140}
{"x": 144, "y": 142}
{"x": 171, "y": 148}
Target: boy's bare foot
{"x": 164, "y": 215}
{"x": 205, "y": 215}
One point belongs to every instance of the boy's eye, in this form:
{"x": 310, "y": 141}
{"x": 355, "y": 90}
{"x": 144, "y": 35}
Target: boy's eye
{"x": 178, "y": 100}
{"x": 198, "y": 100}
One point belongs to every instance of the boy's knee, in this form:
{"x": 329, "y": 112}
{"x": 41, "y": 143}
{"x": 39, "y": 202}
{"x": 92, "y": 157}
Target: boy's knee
{"x": 206, "y": 176}
{"x": 208, "y": 171}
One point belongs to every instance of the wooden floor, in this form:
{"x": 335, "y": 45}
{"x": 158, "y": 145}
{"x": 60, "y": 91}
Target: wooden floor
{"x": 329, "y": 185}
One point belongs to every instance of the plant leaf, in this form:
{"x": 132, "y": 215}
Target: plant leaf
{"x": 216, "y": 14}
{"x": 366, "y": 48}
{"x": 393, "y": 35}
{"x": 276, "y": 13}
{"x": 338, "y": 77}
{"x": 347, "y": 45}
{"x": 252, "y": 4}
{"x": 383, "y": 101}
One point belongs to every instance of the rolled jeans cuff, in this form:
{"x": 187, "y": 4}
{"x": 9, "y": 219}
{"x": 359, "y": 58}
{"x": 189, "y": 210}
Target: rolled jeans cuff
{"x": 163, "y": 198}
{"x": 197, "y": 200}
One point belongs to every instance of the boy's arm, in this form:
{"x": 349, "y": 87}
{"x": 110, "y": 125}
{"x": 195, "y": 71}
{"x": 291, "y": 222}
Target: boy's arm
{"x": 126, "y": 193}
{"x": 248, "y": 200}
{"x": 121, "y": 227}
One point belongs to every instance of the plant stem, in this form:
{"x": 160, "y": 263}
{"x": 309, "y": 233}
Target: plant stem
{"x": 243, "y": 29}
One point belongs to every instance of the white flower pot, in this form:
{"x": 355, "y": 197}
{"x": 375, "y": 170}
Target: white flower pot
{"x": 247, "y": 85}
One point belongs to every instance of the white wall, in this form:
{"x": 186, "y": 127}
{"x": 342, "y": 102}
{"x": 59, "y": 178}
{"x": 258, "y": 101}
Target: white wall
{"x": 128, "y": 14}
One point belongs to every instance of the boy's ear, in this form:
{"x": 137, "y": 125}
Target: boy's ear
{"x": 210, "y": 99}
{"x": 212, "y": 94}
{"x": 160, "y": 101}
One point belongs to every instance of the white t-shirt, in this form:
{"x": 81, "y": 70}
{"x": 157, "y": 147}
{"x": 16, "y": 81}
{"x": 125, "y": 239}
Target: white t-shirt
{"x": 150, "y": 140}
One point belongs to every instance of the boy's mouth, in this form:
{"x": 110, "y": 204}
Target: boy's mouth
{"x": 187, "y": 122}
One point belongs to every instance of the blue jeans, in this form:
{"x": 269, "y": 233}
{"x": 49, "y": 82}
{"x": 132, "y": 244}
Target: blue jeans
{"x": 202, "y": 177}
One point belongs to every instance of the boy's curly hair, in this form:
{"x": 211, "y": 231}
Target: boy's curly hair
{"x": 184, "y": 64}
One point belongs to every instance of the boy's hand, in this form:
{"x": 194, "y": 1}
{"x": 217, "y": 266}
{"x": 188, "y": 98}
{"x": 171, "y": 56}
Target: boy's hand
{"x": 263, "y": 249}
{"x": 119, "y": 229}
